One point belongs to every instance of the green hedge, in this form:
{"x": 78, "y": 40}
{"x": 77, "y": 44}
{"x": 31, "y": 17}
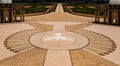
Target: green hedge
{"x": 37, "y": 4}
{"x": 36, "y": 7}
{"x": 84, "y": 8}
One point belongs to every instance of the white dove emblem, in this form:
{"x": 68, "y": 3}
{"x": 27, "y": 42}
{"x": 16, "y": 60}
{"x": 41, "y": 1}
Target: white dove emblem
{"x": 58, "y": 36}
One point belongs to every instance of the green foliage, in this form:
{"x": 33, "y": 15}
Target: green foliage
{"x": 37, "y": 4}
{"x": 84, "y": 8}
{"x": 36, "y": 7}
{"x": 35, "y": 10}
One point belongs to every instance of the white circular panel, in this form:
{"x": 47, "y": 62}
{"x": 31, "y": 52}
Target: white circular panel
{"x": 63, "y": 40}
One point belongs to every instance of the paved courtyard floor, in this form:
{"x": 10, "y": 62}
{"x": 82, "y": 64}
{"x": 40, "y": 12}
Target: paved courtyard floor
{"x": 59, "y": 39}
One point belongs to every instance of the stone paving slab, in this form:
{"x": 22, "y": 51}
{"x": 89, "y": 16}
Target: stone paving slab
{"x": 62, "y": 57}
{"x": 5, "y": 31}
{"x": 85, "y": 58}
{"x": 58, "y": 58}
{"x": 76, "y": 27}
{"x": 111, "y": 32}
{"x": 31, "y": 57}
{"x": 43, "y": 27}
{"x": 59, "y": 15}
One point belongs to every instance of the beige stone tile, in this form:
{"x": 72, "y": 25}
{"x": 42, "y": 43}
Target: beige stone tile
{"x": 58, "y": 58}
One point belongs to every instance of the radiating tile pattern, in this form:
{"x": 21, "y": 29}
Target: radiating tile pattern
{"x": 99, "y": 43}
{"x": 31, "y": 57}
{"x": 19, "y": 41}
{"x": 85, "y": 58}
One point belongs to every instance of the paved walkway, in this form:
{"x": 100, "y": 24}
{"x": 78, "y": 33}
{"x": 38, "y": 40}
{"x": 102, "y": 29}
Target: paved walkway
{"x": 58, "y": 57}
{"x": 60, "y": 27}
{"x": 113, "y": 33}
{"x": 7, "y": 30}
{"x": 59, "y": 19}
{"x": 59, "y": 16}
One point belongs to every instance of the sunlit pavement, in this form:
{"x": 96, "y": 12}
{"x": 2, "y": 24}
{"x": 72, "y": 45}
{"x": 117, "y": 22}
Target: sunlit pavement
{"x": 58, "y": 42}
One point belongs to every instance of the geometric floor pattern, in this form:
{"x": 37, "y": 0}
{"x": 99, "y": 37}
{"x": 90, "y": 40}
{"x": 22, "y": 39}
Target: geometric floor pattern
{"x": 19, "y": 41}
{"x": 31, "y": 57}
{"x": 85, "y": 58}
{"x": 98, "y": 46}
{"x": 99, "y": 43}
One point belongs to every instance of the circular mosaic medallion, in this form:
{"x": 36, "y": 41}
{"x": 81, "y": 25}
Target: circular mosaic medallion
{"x": 63, "y": 40}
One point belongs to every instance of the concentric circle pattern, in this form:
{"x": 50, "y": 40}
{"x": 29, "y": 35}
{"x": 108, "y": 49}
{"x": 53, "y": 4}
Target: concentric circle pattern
{"x": 65, "y": 40}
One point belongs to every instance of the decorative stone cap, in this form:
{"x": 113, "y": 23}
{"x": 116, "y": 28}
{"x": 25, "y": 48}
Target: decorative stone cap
{"x": 114, "y": 2}
{"x": 5, "y": 1}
